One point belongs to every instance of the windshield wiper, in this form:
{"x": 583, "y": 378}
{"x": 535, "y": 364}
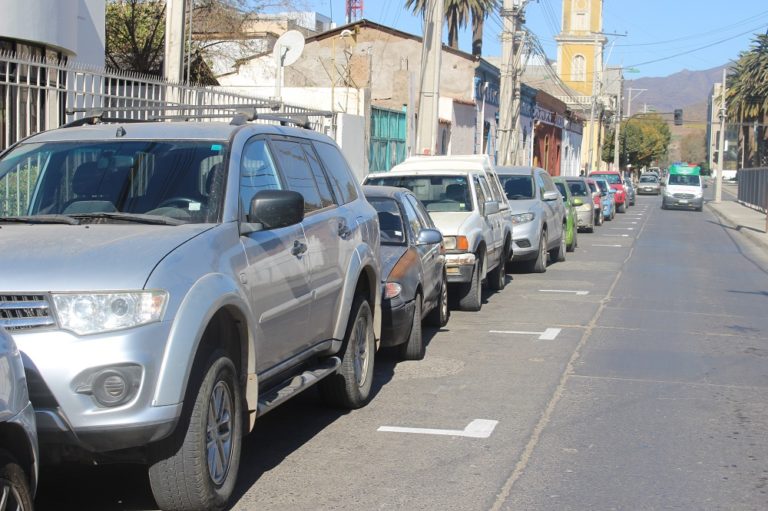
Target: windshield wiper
{"x": 132, "y": 217}
{"x": 41, "y": 219}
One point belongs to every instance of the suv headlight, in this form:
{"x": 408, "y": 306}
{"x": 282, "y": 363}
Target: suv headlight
{"x": 90, "y": 313}
{"x": 523, "y": 218}
{"x": 456, "y": 243}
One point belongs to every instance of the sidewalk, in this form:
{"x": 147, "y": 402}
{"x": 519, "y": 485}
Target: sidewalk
{"x": 748, "y": 221}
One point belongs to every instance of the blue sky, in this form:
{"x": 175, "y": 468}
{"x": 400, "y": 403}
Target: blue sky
{"x": 702, "y": 33}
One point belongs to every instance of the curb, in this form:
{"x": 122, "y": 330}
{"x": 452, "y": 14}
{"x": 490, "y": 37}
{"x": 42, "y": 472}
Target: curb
{"x": 761, "y": 240}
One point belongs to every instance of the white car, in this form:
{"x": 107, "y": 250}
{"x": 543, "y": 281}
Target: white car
{"x": 464, "y": 197}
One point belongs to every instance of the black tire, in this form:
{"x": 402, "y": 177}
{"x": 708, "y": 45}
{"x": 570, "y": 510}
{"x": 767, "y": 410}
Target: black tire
{"x": 622, "y": 208}
{"x": 558, "y": 254}
{"x": 350, "y": 386}
{"x": 497, "y": 278}
{"x": 539, "y": 265}
{"x": 470, "y": 294}
{"x": 14, "y": 484}
{"x": 600, "y": 219}
{"x": 574, "y": 241}
{"x": 414, "y": 348}
{"x": 197, "y": 468}
{"x": 438, "y": 316}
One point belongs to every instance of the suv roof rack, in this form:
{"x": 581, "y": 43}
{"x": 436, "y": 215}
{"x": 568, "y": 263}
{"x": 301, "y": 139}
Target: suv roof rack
{"x": 243, "y": 114}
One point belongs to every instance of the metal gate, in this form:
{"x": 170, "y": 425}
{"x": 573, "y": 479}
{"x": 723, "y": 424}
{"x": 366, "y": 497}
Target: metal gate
{"x": 388, "y": 135}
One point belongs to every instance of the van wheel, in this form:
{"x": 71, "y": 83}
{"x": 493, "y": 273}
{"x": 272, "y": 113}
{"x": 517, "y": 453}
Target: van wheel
{"x": 350, "y": 386}
{"x": 413, "y": 348}
{"x": 14, "y": 484}
{"x": 197, "y": 468}
{"x": 470, "y": 294}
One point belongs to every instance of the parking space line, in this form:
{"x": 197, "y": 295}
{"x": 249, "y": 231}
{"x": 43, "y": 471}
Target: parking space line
{"x": 612, "y": 246}
{"x": 622, "y": 228}
{"x": 478, "y": 428}
{"x": 582, "y": 293}
{"x": 616, "y": 235}
{"x": 550, "y": 334}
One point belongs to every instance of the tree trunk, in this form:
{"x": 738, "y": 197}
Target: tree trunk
{"x": 478, "y": 20}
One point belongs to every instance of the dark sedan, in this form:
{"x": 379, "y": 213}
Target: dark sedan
{"x": 414, "y": 282}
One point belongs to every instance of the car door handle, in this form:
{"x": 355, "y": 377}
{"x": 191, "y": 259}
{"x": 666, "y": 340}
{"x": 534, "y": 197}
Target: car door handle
{"x": 298, "y": 248}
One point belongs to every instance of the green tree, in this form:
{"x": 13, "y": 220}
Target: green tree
{"x": 747, "y": 96}
{"x": 457, "y": 14}
{"x": 693, "y": 147}
{"x": 644, "y": 139}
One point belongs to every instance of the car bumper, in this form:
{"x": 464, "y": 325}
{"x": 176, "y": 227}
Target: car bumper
{"x": 585, "y": 217}
{"x": 673, "y": 202}
{"x": 56, "y": 363}
{"x": 525, "y": 240}
{"x": 396, "y": 322}
{"x": 459, "y": 267}
{"x": 650, "y": 190}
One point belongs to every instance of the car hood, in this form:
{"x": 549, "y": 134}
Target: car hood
{"x": 41, "y": 258}
{"x": 519, "y": 206}
{"x": 450, "y": 223}
{"x": 390, "y": 255}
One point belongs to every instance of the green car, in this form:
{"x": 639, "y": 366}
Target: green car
{"x": 571, "y": 202}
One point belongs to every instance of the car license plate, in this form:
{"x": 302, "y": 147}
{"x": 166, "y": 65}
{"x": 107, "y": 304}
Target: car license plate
{"x": 648, "y": 189}
{"x": 683, "y": 201}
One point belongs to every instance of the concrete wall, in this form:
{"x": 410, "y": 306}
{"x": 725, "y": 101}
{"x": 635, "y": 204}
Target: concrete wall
{"x": 351, "y": 137}
{"x": 74, "y": 27}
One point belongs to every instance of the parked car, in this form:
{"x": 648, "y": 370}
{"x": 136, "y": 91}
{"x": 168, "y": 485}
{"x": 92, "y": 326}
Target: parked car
{"x": 630, "y": 188}
{"x": 463, "y": 196}
{"x": 170, "y": 282}
{"x": 616, "y": 182}
{"x": 18, "y": 436}
{"x": 571, "y": 230}
{"x": 607, "y": 199}
{"x": 413, "y": 278}
{"x": 649, "y": 184}
{"x": 597, "y": 200}
{"x": 538, "y": 214}
{"x": 583, "y": 202}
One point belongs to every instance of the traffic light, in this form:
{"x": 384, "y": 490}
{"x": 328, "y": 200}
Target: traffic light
{"x": 678, "y": 117}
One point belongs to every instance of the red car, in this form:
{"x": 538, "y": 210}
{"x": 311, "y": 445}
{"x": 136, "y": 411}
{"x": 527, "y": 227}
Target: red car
{"x": 617, "y": 183}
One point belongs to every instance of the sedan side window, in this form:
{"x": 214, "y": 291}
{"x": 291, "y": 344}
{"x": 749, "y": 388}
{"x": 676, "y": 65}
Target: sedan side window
{"x": 426, "y": 220}
{"x": 540, "y": 185}
{"x": 257, "y": 172}
{"x": 413, "y": 219}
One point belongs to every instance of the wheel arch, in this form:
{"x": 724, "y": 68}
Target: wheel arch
{"x": 15, "y": 442}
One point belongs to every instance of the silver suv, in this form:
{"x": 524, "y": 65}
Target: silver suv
{"x": 171, "y": 282}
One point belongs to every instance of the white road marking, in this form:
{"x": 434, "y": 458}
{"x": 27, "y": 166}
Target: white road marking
{"x": 582, "y": 293}
{"x": 550, "y": 334}
{"x": 478, "y": 428}
{"x": 616, "y": 235}
{"x": 622, "y": 228}
{"x": 617, "y": 246}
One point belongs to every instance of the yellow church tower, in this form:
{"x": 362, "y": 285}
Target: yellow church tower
{"x": 580, "y": 64}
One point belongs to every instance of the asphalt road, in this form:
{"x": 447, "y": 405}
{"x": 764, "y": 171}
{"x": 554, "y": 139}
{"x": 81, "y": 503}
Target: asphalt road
{"x": 636, "y": 379}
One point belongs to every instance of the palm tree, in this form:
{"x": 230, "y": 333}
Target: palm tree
{"x": 457, "y": 14}
{"x": 747, "y": 96}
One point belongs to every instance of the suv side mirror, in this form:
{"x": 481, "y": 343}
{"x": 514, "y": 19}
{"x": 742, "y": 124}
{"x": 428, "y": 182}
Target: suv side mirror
{"x": 490, "y": 207}
{"x": 551, "y": 196}
{"x": 429, "y": 237}
{"x": 272, "y": 209}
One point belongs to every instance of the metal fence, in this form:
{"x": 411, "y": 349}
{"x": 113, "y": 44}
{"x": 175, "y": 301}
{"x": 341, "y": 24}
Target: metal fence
{"x": 38, "y": 94}
{"x": 753, "y": 188}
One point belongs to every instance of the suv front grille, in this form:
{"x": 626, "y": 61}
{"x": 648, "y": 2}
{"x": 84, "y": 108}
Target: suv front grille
{"x": 19, "y": 312}
{"x": 683, "y": 196}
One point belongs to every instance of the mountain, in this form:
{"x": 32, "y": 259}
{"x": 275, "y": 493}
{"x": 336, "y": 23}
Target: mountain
{"x": 680, "y": 90}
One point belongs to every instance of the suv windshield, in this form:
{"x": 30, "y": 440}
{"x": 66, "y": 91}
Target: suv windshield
{"x": 390, "y": 221}
{"x": 437, "y": 193}
{"x": 517, "y": 187}
{"x": 649, "y": 179}
{"x": 613, "y": 179}
{"x": 109, "y": 181}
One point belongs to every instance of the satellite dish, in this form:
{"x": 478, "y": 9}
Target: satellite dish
{"x": 288, "y": 47}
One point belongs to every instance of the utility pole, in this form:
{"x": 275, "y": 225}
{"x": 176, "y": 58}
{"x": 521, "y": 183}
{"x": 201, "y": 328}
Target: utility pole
{"x": 721, "y": 147}
{"x": 429, "y": 91}
{"x": 513, "y": 14}
{"x": 616, "y": 142}
{"x": 173, "y": 67}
